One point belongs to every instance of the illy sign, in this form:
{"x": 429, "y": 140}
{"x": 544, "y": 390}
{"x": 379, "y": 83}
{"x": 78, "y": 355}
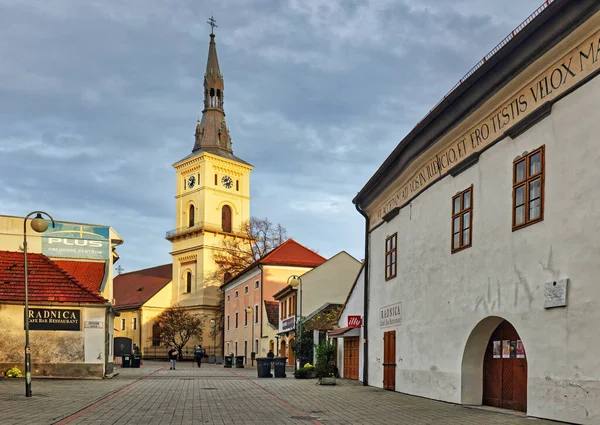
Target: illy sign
{"x": 354, "y": 321}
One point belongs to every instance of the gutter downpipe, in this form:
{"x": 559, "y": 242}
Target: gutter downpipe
{"x": 365, "y": 299}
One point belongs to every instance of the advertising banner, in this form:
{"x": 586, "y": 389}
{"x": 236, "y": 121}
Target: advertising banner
{"x": 76, "y": 241}
{"x": 354, "y": 321}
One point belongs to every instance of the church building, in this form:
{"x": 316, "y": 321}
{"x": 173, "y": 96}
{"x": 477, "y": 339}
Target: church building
{"x": 212, "y": 201}
{"x": 482, "y": 229}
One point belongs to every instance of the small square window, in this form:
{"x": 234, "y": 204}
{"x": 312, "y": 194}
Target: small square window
{"x": 256, "y": 284}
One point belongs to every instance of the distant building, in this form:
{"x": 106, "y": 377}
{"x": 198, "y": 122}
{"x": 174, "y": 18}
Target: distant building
{"x": 482, "y": 229}
{"x": 254, "y": 287}
{"x": 70, "y": 298}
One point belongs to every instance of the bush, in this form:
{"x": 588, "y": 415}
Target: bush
{"x": 304, "y": 372}
{"x": 14, "y": 373}
{"x": 325, "y": 359}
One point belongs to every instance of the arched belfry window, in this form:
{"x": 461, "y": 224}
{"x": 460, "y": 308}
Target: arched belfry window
{"x": 213, "y": 99}
{"x": 226, "y": 218}
{"x": 192, "y": 215}
{"x": 219, "y": 98}
{"x": 188, "y": 282}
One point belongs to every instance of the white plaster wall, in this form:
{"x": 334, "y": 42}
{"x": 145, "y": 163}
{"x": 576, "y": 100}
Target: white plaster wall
{"x": 445, "y": 295}
{"x": 94, "y": 347}
{"x": 354, "y": 307}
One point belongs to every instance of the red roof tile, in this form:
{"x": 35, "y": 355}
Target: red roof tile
{"x": 291, "y": 253}
{"x": 133, "y": 289}
{"x": 272, "y": 308}
{"x": 91, "y": 274}
{"x": 47, "y": 282}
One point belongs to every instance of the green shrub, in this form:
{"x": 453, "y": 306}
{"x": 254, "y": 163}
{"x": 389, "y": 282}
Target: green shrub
{"x": 324, "y": 366}
{"x": 304, "y": 372}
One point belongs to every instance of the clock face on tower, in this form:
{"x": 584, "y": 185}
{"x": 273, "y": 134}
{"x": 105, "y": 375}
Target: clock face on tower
{"x": 227, "y": 182}
{"x": 191, "y": 181}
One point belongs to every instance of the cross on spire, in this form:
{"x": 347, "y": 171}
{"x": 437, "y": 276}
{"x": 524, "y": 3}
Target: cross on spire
{"x": 211, "y": 21}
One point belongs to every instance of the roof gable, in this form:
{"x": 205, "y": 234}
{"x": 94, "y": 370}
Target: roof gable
{"x": 47, "y": 282}
{"x": 291, "y": 253}
{"x": 134, "y": 289}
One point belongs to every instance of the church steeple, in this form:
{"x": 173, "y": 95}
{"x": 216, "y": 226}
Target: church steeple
{"x": 211, "y": 131}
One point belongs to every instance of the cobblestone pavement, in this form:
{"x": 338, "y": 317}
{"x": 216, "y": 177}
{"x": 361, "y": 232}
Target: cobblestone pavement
{"x": 217, "y": 396}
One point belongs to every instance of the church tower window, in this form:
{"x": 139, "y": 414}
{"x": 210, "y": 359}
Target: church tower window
{"x": 237, "y": 185}
{"x": 226, "y": 218}
{"x": 216, "y": 179}
{"x": 188, "y": 282}
{"x": 192, "y": 215}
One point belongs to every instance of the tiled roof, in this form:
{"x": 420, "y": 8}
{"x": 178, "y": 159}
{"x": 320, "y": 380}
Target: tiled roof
{"x": 272, "y": 308}
{"x": 291, "y": 253}
{"x": 134, "y": 289}
{"x": 323, "y": 318}
{"x": 91, "y": 274}
{"x": 47, "y": 282}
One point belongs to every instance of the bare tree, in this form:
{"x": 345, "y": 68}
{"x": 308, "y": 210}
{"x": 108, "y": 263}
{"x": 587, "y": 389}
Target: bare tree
{"x": 177, "y": 327}
{"x": 258, "y": 237}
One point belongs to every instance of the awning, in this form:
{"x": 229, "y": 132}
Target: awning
{"x": 344, "y": 332}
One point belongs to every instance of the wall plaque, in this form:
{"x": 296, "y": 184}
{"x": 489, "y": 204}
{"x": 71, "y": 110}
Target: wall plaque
{"x": 390, "y": 315}
{"x": 555, "y": 293}
{"x": 93, "y": 324}
{"x": 53, "y": 319}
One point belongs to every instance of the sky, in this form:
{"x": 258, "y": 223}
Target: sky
{"x": 99, "y": 98}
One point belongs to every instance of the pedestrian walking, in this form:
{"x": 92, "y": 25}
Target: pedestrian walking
{"x": 270, "y": 354}
{"x": 173, "y": 353}
{"x": 198, "y": 354}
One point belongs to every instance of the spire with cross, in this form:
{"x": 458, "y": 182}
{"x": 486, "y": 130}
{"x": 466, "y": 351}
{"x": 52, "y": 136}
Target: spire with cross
{"x": 211, "y": 21}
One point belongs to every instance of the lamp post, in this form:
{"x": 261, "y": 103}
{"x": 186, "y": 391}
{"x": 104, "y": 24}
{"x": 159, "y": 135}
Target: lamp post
{"x": 214, "y": 323}
{"x": 295, "y": 281}
{"x": 39, "y": 225}
{"x": 249, "y": 309}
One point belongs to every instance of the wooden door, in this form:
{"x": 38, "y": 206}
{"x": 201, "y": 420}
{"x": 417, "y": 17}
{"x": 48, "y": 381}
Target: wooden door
{"x": 291, "y": 358}
{"x": 505, "y": 370}
{"x": 389, "y": 360}
{"x": 351, "y": 358}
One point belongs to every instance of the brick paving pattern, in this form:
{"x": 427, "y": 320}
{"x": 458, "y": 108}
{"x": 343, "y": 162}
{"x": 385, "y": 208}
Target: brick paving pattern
{"x": 217, "y": 396}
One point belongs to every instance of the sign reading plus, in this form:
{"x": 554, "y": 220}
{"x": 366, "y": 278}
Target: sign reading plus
{"x": 354, "y": 321}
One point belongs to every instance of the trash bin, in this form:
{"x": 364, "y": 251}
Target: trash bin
{"x": 228, "y": 361}
{"x": 279, "y": 366}
{"x": 136, "y": 360}
{"x": 239, "y": 361}
{"x": 263, "y": 367}
{"x": 126, "y": 360}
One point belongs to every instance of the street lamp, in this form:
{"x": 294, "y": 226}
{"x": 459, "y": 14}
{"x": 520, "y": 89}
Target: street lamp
{"x": 39, "y": 225}
{"x": 214, "y": 323}
{"x": 249, "y": 309}
{"x": 295, "y": 282}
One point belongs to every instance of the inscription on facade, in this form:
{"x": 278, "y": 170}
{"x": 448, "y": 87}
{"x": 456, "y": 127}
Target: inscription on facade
{"x": 52, "y": 319}
{"x": 288, "y": 323}
{"x": 564, "y": 74}
{"x": 555, "y": 293}
{"x": 390, "y": 315}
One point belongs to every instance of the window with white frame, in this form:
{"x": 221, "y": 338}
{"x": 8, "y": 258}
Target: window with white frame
{"x": 134, "y": 323}
{"x": 256, "y": 284}
{"x": 246, "y": 289}
{"x": 123, "y": 324}
{"x": 256, "y": 313}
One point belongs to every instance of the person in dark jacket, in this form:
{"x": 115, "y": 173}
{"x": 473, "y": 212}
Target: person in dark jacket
{"x": 198, "y": 354}
{"x": 270, "y": 354}
{"x": 173, "y": 353}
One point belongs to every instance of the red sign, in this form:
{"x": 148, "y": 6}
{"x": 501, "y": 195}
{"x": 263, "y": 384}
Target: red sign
{"x": 354, "y": 321}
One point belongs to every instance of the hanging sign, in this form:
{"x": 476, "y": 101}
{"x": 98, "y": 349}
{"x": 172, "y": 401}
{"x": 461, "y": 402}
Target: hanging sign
{"x": 354, "y": 321}
{"x": 53, "y": 319}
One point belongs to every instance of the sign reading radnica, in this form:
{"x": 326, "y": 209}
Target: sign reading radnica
{"x": 76, "y": 241}
{"x": 52, "y": 319}
{"x": 564, "y": 74}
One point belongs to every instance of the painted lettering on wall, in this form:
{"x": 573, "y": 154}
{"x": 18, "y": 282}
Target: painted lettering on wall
{"x": 570, "y": 70}
{"x": 390, "y": 315}
{"x": 51, "y": 319}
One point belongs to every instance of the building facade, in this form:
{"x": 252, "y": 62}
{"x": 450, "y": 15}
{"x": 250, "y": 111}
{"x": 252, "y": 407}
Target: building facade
{"x": 212, "y": 200}
{"x": 249, "y": 303}
{"x": 482, "y": 231}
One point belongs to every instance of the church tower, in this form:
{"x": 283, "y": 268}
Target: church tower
{"x": 212, "y": 198}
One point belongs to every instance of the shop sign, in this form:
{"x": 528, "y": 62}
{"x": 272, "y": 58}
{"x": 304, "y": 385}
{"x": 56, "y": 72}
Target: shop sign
{"x": 354, "y": 321}
{"x": 289, "y": 323}
{"x": 76, "y": 241}
{"x": 52, "y": 319}
{"x": 390, "y": 315}
{"x": 98, "y": 324}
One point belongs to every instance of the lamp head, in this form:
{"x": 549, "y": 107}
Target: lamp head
{"x": 294, "y": 281}
{"x": 248, "y": 309}
{"x": 39, "y": 224}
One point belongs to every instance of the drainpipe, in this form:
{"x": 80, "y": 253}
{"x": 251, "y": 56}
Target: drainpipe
{"x": 365, "y": 299}
{"x": 106, "y": 338}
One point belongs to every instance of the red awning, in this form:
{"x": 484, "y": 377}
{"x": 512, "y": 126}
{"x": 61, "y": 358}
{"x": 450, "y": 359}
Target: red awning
{"x": 344, "y": 332}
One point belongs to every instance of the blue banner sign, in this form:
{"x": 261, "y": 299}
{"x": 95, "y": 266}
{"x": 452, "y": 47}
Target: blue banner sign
{"x": 76, "y": 241}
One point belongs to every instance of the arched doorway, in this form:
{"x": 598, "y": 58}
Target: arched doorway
{"x": 505, "y": 370}
{"x": 291, "y": 359}
{"x": 283, "y": 349}
{"x": 487, "y": 378}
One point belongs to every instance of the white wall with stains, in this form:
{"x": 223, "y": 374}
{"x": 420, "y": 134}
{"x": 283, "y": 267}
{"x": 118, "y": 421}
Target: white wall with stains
{"x": 444, "y": 296}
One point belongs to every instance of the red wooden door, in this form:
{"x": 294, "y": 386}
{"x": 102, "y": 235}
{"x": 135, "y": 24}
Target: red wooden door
{"x": 389, "y": 360}
{"x": 351, "y": 358}
{"x": 505, "y": 370}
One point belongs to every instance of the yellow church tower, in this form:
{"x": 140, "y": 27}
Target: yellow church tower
{"x": 212, "y": 199}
